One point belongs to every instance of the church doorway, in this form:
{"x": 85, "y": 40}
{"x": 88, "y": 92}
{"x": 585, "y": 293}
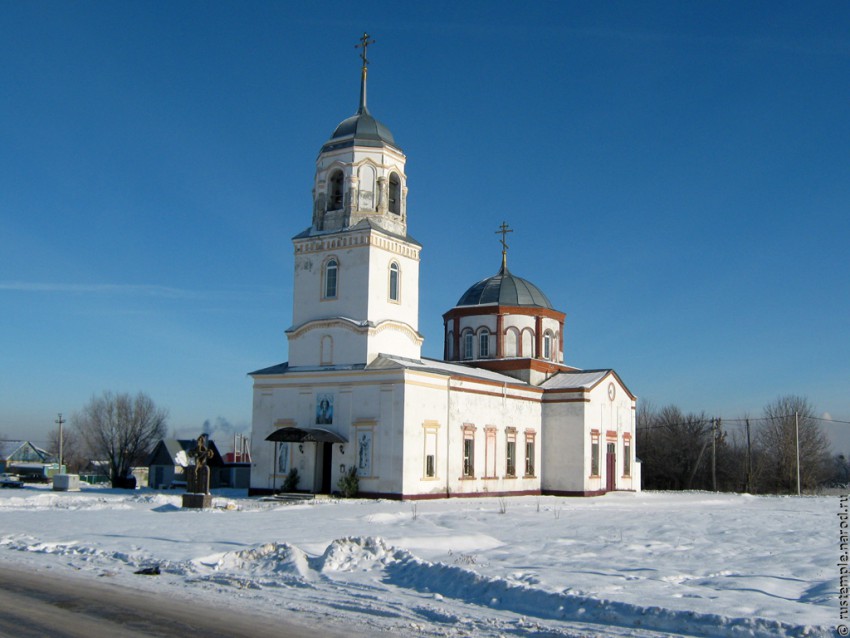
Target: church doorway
{"x": 611, "y": 467}
{"x": 324, "y": 441}
{"x": 324, "y": 458}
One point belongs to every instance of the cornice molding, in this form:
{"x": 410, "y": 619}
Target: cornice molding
{"x": 355, "y": 327}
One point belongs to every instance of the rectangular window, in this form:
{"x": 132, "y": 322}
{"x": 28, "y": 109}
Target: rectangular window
{"x": 594, "y": 455}
{"x": 627, "y": 458}
{"x": 469, "y": 458}
{"x": 529, "y": 458}
{"x": 510, "y": 452}
{"x": 483, "y": 345}
{"x": 430, "y": 429}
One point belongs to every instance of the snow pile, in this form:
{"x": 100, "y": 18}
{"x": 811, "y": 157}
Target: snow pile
{"x": 358, "y": 554}
{"x": 279, "y": 559}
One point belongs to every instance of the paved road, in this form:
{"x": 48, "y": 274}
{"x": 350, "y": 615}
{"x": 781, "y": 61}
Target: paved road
{"x": 41, "y": 604}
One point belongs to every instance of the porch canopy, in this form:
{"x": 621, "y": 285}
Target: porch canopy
{"x": 291, "y": 434}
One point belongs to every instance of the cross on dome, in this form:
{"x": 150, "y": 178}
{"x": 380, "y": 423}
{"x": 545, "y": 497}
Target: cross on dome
{"x": 504, "y": 229}
{"x": 364, "y": 43}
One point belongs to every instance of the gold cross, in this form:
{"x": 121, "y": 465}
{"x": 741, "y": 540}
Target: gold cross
{"x": 364, "y": 43}
{"x": 504, "y": 229}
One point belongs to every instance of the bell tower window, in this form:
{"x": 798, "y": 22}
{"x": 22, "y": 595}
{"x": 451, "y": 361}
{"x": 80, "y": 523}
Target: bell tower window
{"x": 329, "y": 288}
{"x": 335, "y": 191}
{"x": 395, "y": 194}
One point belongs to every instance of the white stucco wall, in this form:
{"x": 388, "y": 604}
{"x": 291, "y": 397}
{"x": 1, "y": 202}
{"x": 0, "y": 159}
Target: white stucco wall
{"x": 453, "y": 404}
{"x": 570, "y": 421}
{"x": 397, "y": 407}
{"x": 372, "y": 322}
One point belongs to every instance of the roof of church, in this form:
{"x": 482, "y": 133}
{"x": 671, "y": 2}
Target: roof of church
{"x": 504, "y": 289}
{"x": 388, "y": 362}
{"x": 569, "y": 380}
{"x": 384, "y": 361}
{"x": 361, "y": 129}
{"x": 363, "y": 224}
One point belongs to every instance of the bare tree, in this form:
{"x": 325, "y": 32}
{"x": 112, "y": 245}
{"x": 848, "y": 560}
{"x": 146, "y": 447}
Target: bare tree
{"x": 674, "y": 448}
{"x": 120, "y": 430}
{"x": 777, "y": 446}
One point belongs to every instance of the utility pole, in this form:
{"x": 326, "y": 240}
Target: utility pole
{"x": 797, "y": 435}
{"x": 714, "y": 454}
{"x": 60, "y": 421}
{"x": 749, "y": 461}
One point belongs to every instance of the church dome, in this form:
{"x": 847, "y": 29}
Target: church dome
{"x": 361, "y": 129}
{"x": 504, "y": 289}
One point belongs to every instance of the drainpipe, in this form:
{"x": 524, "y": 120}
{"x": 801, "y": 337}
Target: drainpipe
{"x": 448, "y": 431}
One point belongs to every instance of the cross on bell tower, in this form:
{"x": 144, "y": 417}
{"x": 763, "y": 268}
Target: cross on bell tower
{"x": 364, "y": 44}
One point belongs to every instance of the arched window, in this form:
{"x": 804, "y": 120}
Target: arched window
{"x": 335, "y": 191}
{"x": 395, "y": 194}
{"x": 394, "y": 281}
{"x": 467, "y": 345}
{"x": 547, "y": 345}
{"x": 484, "y": 344}
{"x": 329, "y": 289}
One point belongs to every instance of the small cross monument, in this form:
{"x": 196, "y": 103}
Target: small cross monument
{"x": 197, "y": 494}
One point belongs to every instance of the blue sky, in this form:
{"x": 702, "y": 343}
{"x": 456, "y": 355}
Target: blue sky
{"x": 676, "y": 174}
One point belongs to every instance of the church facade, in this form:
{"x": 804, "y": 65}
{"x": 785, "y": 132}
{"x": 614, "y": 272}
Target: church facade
{"x": 500, "y": 413}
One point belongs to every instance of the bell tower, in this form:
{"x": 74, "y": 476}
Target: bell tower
{"x": 356, "y": 292}
{"x": 360, "y": 171}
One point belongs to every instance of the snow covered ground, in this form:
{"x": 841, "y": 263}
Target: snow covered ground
{"x": 651, "y": 564}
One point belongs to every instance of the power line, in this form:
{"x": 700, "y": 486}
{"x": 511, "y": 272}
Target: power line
{"x": 708, "y": 421}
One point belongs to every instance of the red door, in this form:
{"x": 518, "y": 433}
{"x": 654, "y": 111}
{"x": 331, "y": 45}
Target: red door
{"x": 610, "y": 467}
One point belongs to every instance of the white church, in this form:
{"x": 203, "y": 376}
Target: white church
{"x": 501, "y": 414}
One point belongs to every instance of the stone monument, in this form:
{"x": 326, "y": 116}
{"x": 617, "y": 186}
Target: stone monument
{"x": 197, "y": 494}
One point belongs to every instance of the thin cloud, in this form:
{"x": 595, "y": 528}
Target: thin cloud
{"x": 149, "y": 290}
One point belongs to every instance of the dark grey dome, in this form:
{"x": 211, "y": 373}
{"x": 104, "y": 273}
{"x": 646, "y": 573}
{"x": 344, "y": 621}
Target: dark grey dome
{"x": 361, "y": 129}
{"x": 504, "y": 289}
